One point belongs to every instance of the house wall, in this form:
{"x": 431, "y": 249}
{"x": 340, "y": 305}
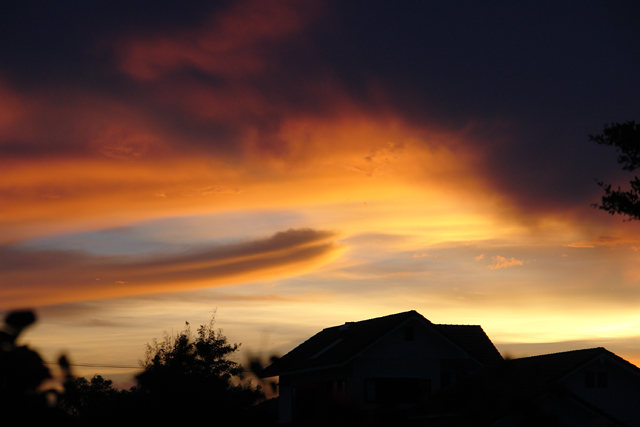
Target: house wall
{"x": 310, "y": 395}
{"x": 555, "y": 409}
{"x": 621, "y": 396}
{"x": 285, "y": 400}
{"x": 352, "y": 387}
{"x": 393, "y": 356}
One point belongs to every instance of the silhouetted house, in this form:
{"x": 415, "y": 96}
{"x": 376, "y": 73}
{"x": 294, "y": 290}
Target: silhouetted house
{"x": 576, "y": 388}
{"x": 387, "y": 362}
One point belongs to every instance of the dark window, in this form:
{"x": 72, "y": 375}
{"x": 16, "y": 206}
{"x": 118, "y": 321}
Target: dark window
{"x": 312, "y": 399}
{"x": 603, "y": 380}
{"x": 370, "y": 390}
{"x": 446, "y": 378}
{"x": 408, "y": 333}
{"x": 598, "y": 379}
{"x": 589, "y": 379}
{"x": 397, "y": 390}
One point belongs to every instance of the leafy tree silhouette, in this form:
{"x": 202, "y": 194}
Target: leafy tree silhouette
{"x": 95, "y": 402}
{"x": 186, "y": 378}
{"x": 191, "y": 378}
{"x": 626, "y": 138}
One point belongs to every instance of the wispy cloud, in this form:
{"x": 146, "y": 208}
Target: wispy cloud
{"x": 416, "y": 255}
{"x": 502, "y": 262}
{"x": 609, "y": 241}
{"x": 39, "y": 277}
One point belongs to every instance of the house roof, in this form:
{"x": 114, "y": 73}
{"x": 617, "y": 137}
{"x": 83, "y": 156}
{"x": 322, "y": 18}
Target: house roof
{"x": 473, "y": 340}
{"x": 337, "y": 345}
{"x": 520, "y": 374}
{"x": 498, "y": 388}
{"x": 530, "y": 375}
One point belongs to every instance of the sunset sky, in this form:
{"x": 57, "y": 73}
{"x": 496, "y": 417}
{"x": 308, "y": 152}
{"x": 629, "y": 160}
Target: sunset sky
{"x": 298, "y": 164}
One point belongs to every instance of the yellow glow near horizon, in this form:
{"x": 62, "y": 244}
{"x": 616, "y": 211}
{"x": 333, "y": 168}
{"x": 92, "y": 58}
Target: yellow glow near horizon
{"x": 358, "y": 178}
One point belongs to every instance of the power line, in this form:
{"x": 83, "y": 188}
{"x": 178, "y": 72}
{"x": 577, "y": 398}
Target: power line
{"x": 97, "y": 365}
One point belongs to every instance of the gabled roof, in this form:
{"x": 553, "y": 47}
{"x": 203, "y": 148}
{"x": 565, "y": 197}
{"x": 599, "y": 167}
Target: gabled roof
{"x": 530, "y": 375}
{"x": 337, "y": 345}
{"x": 497, "y": 389}
{"x": 540, "y": 371}
{"x": 473, "y": 340}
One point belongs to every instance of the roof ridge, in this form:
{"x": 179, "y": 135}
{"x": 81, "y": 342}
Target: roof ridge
{"x": 454, "y": 324}
{"x": 460, "y": 335}
{"x": 378, "y": 318}
{"x": 360, "y": 321}
{"x": 561, "y": 352}
{"x": 337, "y": 345}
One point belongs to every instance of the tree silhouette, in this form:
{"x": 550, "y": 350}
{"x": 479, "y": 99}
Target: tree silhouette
{"x": 626, "y": 138}
{"x": 95, "y": 402}
{"x": 22, "y": 372}
{"x": 189, "y": 378}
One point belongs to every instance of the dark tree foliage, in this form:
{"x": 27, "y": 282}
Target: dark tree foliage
{"x": 95, "y": 402}
{"x": 625, "y": 137}
{"x": 186, "y": 379}
{"x": 189, "y": 378}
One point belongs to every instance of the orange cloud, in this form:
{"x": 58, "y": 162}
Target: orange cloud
{"x": 90, "y": 162}
{"x": 42, "y": 277}
{"x": 129, "y": 172}
{"x": 502, "y": 262}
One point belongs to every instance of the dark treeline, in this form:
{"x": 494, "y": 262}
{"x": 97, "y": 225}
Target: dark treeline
{"x": 185, "y": 378}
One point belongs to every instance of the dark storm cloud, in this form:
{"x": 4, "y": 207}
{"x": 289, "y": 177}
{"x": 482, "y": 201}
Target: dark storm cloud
{"x": 48, "y": 41}
{"x": 528, "y": 81}
{"x": 554, "y": 72}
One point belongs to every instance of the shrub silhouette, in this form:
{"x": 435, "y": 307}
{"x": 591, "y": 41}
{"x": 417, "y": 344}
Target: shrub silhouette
{"x": 190, "y": 378}
{"x": 96, "y": 402}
